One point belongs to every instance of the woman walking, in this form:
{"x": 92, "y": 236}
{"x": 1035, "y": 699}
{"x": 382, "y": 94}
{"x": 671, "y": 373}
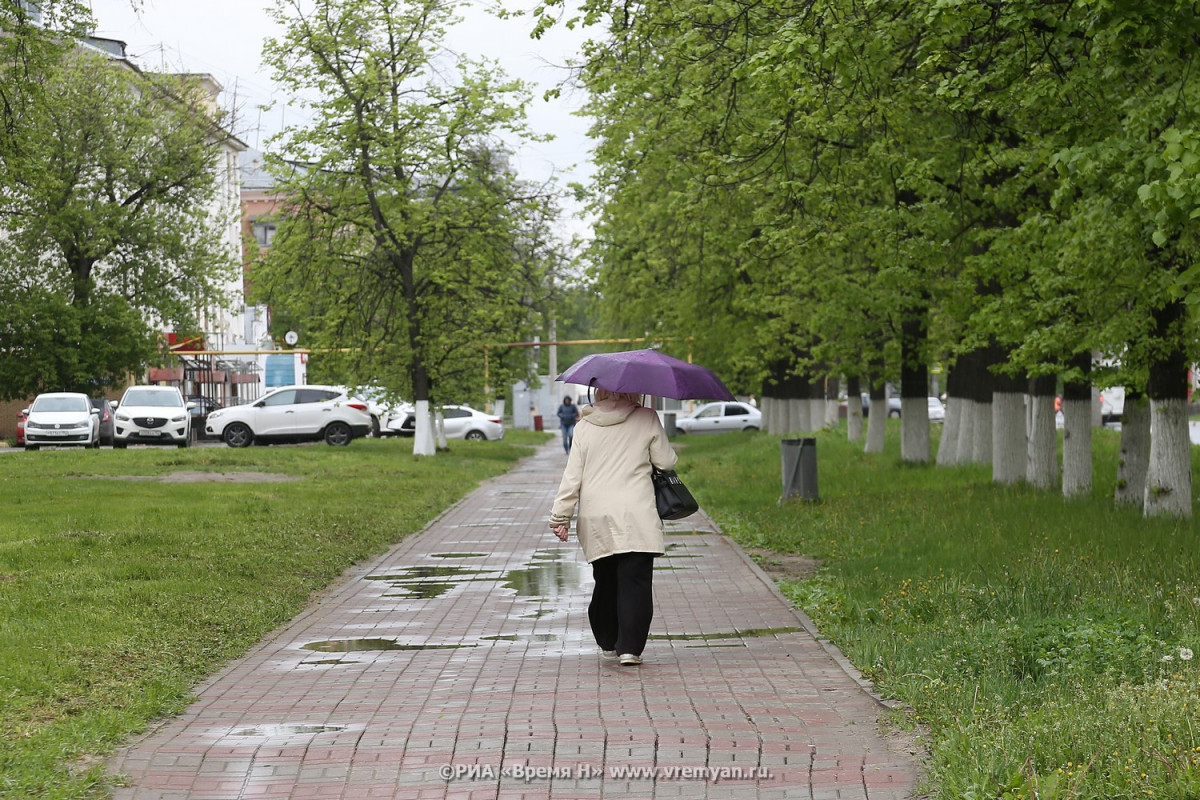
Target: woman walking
{"x": 608, "y": 475}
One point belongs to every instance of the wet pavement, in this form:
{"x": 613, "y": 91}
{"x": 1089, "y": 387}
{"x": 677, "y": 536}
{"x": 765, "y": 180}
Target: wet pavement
{"x": 460, "y": 665}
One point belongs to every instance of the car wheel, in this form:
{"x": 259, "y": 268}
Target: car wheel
{"x": 96, "y": 442}
{"x": 187, "y": 442}
{"x": 338, "y": 434}
{"x": 375, "y": 426}
{"x": 31, "y": 447}
{"x": 750, "y": 429}
{"x": 120, "y": 445}
{"x": 894, "y": 414}
{"x": 238, "y": 435}
{"x": 475, "y": 436}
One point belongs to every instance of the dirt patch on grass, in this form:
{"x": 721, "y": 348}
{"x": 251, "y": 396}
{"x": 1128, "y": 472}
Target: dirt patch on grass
{"x": 199, "y": 476}
{"x": 780, "y": 566}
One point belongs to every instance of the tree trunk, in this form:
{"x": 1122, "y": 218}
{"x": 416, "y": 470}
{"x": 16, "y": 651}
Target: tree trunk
{"x": 1135, "y": 450}
{"x": 947, "y": 454}
{"x": 854, "y": 417}
{"x": 1077, "y": 431}
{"x": 914, "y": 389}
{"x": 1008, "y": 429}
{"x": 423, "y": 436}
{"x": 831, "y": 402}
{"x": 876, "y": 419}
{"x": 1042, "y": 466}
{"x": 1169, "y": 474}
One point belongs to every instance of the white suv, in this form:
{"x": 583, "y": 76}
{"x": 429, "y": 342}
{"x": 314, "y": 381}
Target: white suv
{"x": 151, "y": 415}
{"x": 293, "y": 414}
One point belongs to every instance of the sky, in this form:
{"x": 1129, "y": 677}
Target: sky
{"x": 224, "y": 38}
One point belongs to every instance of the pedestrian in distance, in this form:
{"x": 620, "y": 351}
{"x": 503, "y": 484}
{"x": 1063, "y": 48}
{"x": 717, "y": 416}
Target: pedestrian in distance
{"x": 568, "y": 415}
{"x": 608, "y": 476}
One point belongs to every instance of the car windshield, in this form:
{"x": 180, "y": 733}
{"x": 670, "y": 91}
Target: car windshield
{"x": 135, "y": 397}
{"x": 52, "y": 404}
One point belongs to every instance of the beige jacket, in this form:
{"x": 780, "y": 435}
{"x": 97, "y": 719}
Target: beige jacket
{"x": 608, "y": 474}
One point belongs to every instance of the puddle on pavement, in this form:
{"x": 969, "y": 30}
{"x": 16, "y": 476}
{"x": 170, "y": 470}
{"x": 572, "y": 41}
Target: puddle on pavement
{"x": 749, "y": 633}
{"x": 326, "y": 662}
{"x": 458, "y": 555}
{"x": 359, "y": 645}
{"x": 523, "y": 637}
{"x": 287, "y": 730}
{"x": 541, "y": 612}
{"x": 414, "y": 582}
{"x": 670, "y": 532}
{"x": 548, "y": 575}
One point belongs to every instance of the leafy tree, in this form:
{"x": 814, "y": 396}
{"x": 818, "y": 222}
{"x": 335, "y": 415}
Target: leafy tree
{"x": 407, "y": 242}
{"x": 106, "y": 191}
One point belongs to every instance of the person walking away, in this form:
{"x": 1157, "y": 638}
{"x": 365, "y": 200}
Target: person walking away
{"x": 568, "y": 415}
{"x": 608, "y": 476}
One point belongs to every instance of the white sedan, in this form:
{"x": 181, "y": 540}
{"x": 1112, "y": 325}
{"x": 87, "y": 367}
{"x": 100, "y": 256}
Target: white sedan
{"x": 461, "y": 422}
{"x": 720, "y": 417}
{"x": 61, "y": 418}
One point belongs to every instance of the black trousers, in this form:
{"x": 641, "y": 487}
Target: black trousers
{"x": 623, "y": 601}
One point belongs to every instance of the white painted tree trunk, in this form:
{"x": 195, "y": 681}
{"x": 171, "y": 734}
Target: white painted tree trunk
{"x": 423, "y": 444}
{"x": 831, "y": 413}
{"x": 1169, "y": 473}
{"x": 1042, "y": 467}
{"x": 439, "y": 427}
{"x": 816, "y": 414}
{"x": 1077, "y": 448}
{"x": 914, "y": 430}
{"x": 773, "y": 413}
{"x": 981, "y": 434}
{"x": 966, "y": 430}
{"x": 798, "y": 421}
{"x": 876, "y": 426}
{"x": 1135, "y": 454}
{"x": 947, "y": 454}
{"x": 1008, "y": 437}
{"x": 854, "y": 419}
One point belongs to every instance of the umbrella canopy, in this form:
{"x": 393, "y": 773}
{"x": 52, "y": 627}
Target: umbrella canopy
{"x": 647, "y": 372}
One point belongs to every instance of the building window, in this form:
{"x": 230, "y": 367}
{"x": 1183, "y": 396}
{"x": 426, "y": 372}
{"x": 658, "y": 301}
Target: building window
{"x": 264, "y": 233}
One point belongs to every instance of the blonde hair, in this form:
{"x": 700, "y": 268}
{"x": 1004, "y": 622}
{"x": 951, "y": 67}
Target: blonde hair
{"x": 605, "y": 394}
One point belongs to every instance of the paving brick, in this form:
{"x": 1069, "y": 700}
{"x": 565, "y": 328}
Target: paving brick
{"x": 499, "y": 671}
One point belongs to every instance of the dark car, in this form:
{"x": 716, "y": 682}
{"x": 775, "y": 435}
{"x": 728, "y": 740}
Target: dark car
{"x": 106, "y": 420}
{"x": 200, "y": 408}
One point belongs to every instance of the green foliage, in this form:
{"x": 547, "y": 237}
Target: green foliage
{"x": 106, "y": 199}
{"x": 1042, "y": 645}
{"x": 408, "y": 241}
{"x": 119, "y": 598}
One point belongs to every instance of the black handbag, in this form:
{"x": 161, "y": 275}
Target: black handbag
{"x": 673, "y": 499}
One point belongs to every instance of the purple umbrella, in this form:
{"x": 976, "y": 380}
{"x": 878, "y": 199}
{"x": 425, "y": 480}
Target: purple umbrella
{"x": 647, "y": 372}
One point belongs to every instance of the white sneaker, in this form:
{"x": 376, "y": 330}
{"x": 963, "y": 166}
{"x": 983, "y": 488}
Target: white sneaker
{"x": 608, "y": 655}
{"x": 630, "y": 660}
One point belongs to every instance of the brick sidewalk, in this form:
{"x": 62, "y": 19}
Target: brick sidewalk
{"x": 466, "y": 650}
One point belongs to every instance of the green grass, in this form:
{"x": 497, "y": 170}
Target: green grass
{"x": 1044, "y": 646}
{"x": 118, "y": 596}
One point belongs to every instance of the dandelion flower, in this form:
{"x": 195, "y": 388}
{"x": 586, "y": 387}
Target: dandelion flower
{"x": 1185, "y": 654}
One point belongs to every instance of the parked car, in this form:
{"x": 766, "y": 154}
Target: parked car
{"x": 151, "y": 415}
{"x": 384, "y": 413}
{"x": 199, "y": 408}
{"x": 403, "y": 421}
{"x": 60, "y": 418}
{"x": 937, "y": 411}
{"x": 460, "y": 422}
{"x": 719, "y": 417}
{"x": 293, "y": 414}
{"x": 21, "y": 415}
{"x": 107, "y": 426}
{"x": 893, "y": 405}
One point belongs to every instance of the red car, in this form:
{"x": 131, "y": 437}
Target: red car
{"x": 21, "y": 427}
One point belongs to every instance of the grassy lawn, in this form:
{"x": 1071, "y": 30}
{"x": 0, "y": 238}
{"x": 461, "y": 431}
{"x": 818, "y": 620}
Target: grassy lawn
{"x": 118, "y": 595}
{"x": 1044, "y": 646}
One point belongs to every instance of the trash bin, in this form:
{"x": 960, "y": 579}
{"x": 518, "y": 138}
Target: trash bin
{"x": 537, "y": 422}
{"x": 799, "y": 457}
{"x": 669, "y": 424}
